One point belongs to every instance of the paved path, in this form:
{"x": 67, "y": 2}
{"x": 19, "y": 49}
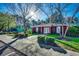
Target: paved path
{"x": 30, "y": 47}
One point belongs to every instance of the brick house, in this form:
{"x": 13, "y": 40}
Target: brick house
{"x": 49, "y": 28}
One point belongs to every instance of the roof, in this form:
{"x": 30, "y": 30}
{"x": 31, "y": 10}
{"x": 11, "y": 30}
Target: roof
{"x": 48, "y": 25}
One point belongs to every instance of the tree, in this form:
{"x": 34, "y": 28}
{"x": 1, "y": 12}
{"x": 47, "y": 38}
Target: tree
{"x": 6, "y": 23}
{"x": 22, "y": 10}
{"x": 56, "y": 14}
{"x": 41, "y": 8}
{"x": 34, "y": 22}
{"x": 59, "y": 16}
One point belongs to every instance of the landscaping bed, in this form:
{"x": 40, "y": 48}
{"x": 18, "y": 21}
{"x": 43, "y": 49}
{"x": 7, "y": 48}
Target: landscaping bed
{"x": 46, "y": 40}
{"x": 49, "y": 42}
{"x": 72, "y": 44}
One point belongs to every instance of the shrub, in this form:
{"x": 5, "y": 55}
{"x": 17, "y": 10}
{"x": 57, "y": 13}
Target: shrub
{"x": 41, "y": 39}
{"x": 29, "y": 32}
{"x": 50, "y": 40}
{"x": 73, "y": 31}
{"x": 45, "y": 39}
{"x": 26, "y": 35}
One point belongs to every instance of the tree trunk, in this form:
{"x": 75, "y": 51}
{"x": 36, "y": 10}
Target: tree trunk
{"x": 2, "y": 27}
{"x": 66, "y": 31}
{"x": 25, "y": 27}
{"x": 62, "y": 34}
{"x": 8, "y": 25}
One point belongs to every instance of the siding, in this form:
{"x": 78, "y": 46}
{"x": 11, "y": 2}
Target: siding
{"x": 52, "y": 29}
{"x": 42, "y": 30}
{"x": 34, "y": 30}
{"x": 39, "y": 30}
{"x": 64, "y": 27}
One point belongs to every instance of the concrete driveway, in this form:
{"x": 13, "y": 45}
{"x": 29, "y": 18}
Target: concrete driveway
{"x": 30, "y": 47}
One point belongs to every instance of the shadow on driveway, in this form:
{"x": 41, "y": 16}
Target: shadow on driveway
{"x": 54, "y": 46}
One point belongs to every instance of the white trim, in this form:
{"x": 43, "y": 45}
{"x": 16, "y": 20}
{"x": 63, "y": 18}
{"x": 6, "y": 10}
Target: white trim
{"x": 49, "y": 25}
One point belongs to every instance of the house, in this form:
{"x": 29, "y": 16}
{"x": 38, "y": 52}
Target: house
{"x": 19, "y": 21}
{"x": 19, "y": 24}
{"x": 49, "y": 28}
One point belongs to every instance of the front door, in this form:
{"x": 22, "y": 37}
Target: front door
{"x": 46, "y": 30}
{"x": 58, "y": 29}
{"x": 37, "y": 29}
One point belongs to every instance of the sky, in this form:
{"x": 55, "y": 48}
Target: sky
{"x": 3, "y": 7}
{"x": 4, "y": 10}
{"x": 69, "y": 11}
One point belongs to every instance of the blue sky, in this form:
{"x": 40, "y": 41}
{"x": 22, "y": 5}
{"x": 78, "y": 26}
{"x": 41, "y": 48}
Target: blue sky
{"x": 2, "y": 7}
{"x": 69, "y": 9}
{"x": 4, "y": 10}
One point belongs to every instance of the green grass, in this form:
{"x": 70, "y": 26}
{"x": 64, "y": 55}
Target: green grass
{"x": 68, "y": 44}
{"x": 53, "y": 35}
{"x": 75, "y": 40}
{"x": 71, "y": 45}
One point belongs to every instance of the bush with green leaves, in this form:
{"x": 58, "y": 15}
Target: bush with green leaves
{"x": 73, "y": 31}
{"x": 50, "y": 40}
{"x": 41, "y": 39}
{"x": 29, "y": 32}
{"x": 45, "y": 39}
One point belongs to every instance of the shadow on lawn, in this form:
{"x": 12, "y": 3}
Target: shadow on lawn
{"x": 54, "y": 46}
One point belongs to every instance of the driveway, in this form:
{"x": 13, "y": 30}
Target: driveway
{"x": 30, "y": 47}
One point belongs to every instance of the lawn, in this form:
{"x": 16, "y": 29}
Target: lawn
{"x": 73, "y": 39}
{"x": 73, "y": 44}
{"x": 53, "y": 35}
